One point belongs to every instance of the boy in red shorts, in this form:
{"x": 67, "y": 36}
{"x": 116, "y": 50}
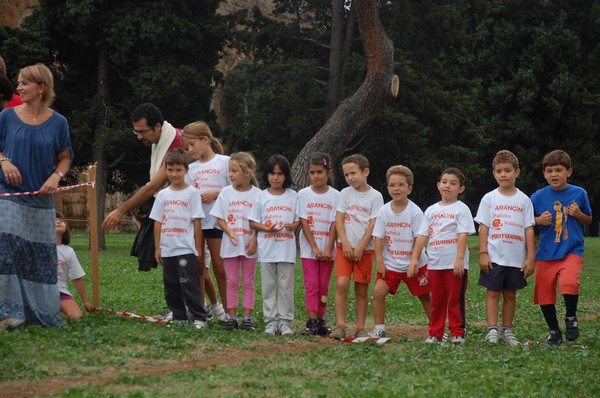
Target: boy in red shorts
{"x": 560, "y": 209}
{"x": 395, "y": 231}
{"x": 355, "y": 218}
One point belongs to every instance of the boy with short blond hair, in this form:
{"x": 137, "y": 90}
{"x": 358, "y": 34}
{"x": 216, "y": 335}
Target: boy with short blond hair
{"x": 506, "y": 234}
{"x": 354, "y": 221}
{"x": 560, "y": 210}
{"x": 395, "y": 231}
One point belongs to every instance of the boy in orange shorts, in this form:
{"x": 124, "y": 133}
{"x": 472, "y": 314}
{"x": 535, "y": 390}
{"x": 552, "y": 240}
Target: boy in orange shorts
{"x": 355, "y": 218}
{"x": 560, "y": 209}
{"x": 395, "y": 230}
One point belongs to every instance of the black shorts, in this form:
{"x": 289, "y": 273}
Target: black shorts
{"x": 503, "y": 278}
{"x": 212, "y": 233}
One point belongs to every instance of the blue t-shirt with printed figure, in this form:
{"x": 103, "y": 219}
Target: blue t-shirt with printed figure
{"x": 565, "y": 235}
{"x": 33, "y": 148}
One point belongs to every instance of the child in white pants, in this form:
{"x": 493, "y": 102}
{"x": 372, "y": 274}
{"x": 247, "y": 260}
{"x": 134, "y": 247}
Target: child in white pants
{"x": 276, "y": 220}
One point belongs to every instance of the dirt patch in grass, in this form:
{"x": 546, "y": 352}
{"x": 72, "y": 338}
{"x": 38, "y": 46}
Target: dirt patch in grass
{"x": 197, "y": 358}
{"x": 406, "y": 331}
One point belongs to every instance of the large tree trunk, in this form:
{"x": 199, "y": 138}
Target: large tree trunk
{"x": 354, "y": 113}
{"x": 335, "y": 57}
{"x": 99, "y": 152}
{"x": 347, "y": 45}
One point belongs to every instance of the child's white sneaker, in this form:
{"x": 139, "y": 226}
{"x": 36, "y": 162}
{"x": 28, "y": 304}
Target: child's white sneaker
{"x": 509, "y": 338}
{"x": 271, "y": 328}
{"x": 198, "y": 324}
{"x": 458, "y": 340}
{"x": 218, "y": 312}
{"x": 433, "y": 340}
{"x": 491, "y": 336}
{"x": 285, "y": 329}
{"x": 377, "y": 333}
{"x": 166, "y": 316}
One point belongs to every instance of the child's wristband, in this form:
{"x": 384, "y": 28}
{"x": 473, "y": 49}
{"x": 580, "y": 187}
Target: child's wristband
{"x": 483, "y": 252}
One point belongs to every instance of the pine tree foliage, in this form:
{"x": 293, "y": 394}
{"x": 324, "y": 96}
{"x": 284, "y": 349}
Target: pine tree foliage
{"x": 476, "y": 76}
{"x": 158, "y": 51}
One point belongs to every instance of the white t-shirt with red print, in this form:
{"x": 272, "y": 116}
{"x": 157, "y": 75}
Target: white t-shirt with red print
{"x": 359, "y": 209}
{"x": 319, "y": 210}
{"x": 442, "y": 224}
{"x": 234, "y": 207}
{"x": 279, "y": 245}
{"x": 68, "y": 266}
{"x": 176, "y": 211}
{"x": 507, "y": 217}
{"x": 398, "y": 231}
{"x": 209, "y": 176}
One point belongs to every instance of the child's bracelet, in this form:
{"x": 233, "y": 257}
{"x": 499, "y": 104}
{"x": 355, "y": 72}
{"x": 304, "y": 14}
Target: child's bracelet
{"x": 483, "y": 252}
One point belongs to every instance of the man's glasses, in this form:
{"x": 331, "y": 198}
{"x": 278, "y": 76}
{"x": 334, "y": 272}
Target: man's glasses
{"x": 142, "y": 132}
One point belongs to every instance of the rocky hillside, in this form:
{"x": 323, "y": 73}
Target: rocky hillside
{"x": 13, "y": 11}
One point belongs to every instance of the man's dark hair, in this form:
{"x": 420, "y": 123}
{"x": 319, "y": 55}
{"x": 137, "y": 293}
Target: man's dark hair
{"x": 149, "y": 111}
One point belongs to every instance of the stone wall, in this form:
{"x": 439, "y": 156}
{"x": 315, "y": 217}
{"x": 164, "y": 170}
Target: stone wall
{"x": 12, "y": 12}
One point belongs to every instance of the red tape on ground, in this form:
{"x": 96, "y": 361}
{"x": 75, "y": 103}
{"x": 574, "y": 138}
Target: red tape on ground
{"x": 378, "y": 340}
{"x": 152, "y": 319}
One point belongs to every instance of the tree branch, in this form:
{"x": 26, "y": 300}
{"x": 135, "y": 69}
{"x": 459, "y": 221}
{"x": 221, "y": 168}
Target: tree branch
{"x": 354, "y": 113}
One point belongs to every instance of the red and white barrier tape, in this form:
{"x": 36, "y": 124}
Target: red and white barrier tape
{"x": 378, "y": 340}
{"x": 152, "y": 319}
{"x": 60, "y": 189}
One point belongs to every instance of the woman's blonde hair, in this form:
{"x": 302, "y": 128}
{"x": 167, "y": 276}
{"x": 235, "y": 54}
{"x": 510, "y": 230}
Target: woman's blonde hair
{"x": 246, "y": 162}
{"x": 200, "y": 129}
{"x": 40, "y": 74}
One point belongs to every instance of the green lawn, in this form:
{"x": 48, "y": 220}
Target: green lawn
{"x": 109, "y": 355}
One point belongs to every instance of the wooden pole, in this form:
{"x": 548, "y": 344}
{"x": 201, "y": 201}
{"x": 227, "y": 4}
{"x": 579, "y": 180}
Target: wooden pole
{"x": 91, "y": 177}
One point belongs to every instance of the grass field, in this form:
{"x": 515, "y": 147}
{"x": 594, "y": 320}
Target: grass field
{"x": 107, "y": 355}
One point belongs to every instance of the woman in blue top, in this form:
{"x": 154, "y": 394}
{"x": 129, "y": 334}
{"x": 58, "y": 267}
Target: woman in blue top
{"x": 35, "y": 154}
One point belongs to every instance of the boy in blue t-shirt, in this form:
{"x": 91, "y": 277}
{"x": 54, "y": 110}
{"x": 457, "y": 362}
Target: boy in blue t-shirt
{"x": 560, "y": 210}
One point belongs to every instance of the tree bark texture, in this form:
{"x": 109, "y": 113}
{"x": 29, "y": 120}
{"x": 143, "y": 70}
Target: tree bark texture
{"x": 354, "y": 113}
{"x": 335, "y": 57}
{"x": 347, "y": 46}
